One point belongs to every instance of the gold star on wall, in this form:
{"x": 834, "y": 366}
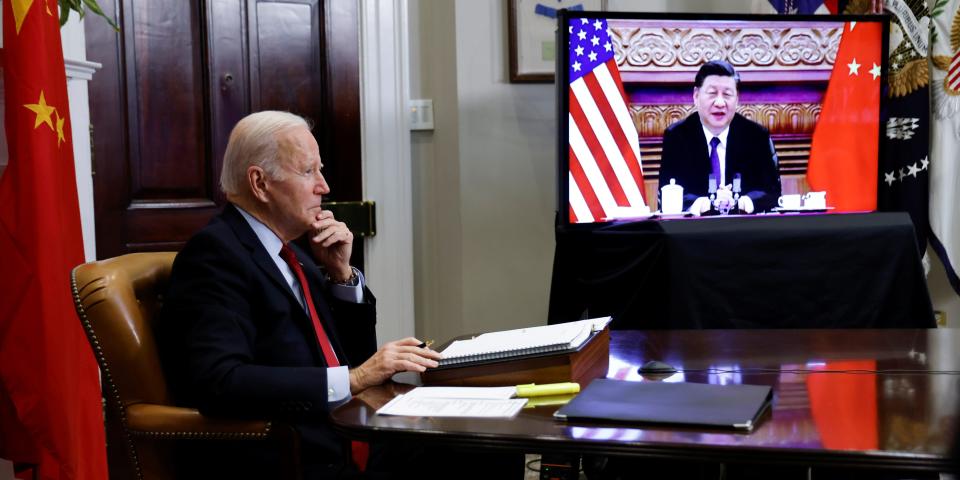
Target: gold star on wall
{"x": 20, "y": 10}
{"x": 60, "y": 137}
{"x": 42, "y": 110}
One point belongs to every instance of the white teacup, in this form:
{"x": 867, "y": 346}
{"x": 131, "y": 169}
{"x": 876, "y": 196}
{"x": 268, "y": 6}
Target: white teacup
{"x": 671, "y": 198}
{"x": 815, "y": 200}
{"x": 789, "y": 202}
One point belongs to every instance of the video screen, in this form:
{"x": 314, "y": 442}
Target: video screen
{"x": 677, "y": 115}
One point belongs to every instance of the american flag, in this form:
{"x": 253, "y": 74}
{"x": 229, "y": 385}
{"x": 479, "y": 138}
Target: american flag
{"x": 945, "y": 138}
{"x": 802, "y": 7}
{"x": 605, "y": 177}
{"x": 953, "y": 75}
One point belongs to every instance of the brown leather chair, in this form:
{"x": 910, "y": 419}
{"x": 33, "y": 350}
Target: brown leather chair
{"x": 118, "y": 301}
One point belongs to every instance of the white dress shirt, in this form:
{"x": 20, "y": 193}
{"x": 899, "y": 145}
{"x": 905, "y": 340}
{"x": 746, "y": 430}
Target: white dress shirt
{"x": 721, "y": 151}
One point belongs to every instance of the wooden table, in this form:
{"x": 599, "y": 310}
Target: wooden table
{"x": 882, "y": 399}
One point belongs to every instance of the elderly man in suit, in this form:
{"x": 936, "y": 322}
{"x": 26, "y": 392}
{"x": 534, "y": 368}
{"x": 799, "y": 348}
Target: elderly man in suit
{"x": 255, "y": 326}
{"x": 716, "y": 141}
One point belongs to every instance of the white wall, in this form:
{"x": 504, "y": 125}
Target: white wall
{"x": 483, "y": 179}
{"x": 507, "y": 154}
{"x": 436, "y": 172}
{"x": 942, "y": 294}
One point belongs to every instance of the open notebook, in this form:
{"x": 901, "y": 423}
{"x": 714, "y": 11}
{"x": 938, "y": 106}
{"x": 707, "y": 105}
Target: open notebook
{"x": 522, "y": 341}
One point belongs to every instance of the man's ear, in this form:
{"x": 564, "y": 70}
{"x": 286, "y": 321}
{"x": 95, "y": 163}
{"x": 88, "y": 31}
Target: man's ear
{"x": 696, "y": 91}
{"x": 257, "y": 179}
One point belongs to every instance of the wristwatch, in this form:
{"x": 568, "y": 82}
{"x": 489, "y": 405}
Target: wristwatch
{"x": 350, "y": 282}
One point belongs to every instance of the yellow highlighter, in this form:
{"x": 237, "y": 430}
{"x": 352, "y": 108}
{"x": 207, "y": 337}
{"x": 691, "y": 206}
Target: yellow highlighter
{"x": 533, "y": 390}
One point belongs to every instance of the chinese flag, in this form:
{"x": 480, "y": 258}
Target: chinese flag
{"x": 50, "y": 408}
{"x": 843, "y": 156}
{"x": 844, "y": 405}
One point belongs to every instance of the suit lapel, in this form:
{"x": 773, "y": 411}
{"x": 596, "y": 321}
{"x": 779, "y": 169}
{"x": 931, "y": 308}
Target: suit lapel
{"x": 700, "y": 147}
{"x": 266, "y": 264}
{"x": 734, "y": 150}
{"x": 258, "y": 254}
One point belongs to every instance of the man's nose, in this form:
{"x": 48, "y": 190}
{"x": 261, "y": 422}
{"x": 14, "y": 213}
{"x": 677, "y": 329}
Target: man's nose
{"x": 322, "y": 188}
{"x": 719, "y": 102}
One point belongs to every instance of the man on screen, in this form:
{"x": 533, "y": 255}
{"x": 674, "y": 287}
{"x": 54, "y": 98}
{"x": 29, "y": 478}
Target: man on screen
{"x": 716, "y": 141}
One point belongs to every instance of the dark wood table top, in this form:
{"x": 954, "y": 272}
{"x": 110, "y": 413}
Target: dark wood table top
{"x": 879, "y": 398}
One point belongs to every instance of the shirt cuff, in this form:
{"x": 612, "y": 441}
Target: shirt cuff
{"x": 338, "y": 385}
{"x": 349, "y": 293}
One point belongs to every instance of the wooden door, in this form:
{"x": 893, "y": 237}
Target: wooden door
{"x": 175, "y": 80}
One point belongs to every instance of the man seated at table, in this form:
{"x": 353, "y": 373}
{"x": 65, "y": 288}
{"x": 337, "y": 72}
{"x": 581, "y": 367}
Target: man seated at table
{"x": 719, "y": 142}
{"x": 254, "y": 326}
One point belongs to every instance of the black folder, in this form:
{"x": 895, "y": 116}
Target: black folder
{"x": 724, "y": 406}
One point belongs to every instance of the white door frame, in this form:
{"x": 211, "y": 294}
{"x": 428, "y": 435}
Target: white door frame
{"x": 387, "y": 176}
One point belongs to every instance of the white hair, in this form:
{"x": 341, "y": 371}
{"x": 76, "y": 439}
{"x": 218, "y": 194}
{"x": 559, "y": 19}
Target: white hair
{"x": 254, "y": 141}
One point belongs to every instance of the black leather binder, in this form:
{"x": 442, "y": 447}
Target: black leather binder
{"x": 724, "y": 406}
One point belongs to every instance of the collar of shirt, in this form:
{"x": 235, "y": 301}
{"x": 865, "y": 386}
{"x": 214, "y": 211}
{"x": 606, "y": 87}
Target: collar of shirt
{"x": 272, "y": 243}
{"x": 709, "y": 135}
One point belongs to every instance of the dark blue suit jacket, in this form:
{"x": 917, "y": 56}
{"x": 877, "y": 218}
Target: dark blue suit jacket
{"x": 750, "y": 153}
{"x": 235, "y": 342}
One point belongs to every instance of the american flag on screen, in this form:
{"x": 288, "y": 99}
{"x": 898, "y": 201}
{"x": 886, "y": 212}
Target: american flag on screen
{"x": 605, "y": 177}
{"x": 802, "y": 7}
{"x": 953, "y": 76}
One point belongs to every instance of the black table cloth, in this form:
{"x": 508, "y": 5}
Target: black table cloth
{"x": 786, "y": 271}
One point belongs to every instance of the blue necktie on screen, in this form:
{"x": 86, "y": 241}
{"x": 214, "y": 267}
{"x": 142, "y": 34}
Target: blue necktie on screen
{"x": 715, "y": 160}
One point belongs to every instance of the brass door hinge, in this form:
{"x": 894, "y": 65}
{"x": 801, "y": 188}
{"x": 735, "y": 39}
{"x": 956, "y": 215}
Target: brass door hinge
{"x": 360, "y": 216}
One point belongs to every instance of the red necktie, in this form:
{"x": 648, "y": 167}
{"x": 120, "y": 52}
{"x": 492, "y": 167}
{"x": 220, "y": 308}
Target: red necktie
{"x": 360, "y": 451}
{"x": 286, "y": 253}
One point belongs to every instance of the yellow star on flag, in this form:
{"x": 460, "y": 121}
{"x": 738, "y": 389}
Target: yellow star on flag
{"x": 60, "y": 137}
{"x": 42, "y": 110}
{"x": 20, "y": 9}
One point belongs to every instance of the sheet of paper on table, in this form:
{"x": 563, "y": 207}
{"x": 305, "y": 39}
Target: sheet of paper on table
{"x": 455, "y": 402}
{"x": 476, "y": 393}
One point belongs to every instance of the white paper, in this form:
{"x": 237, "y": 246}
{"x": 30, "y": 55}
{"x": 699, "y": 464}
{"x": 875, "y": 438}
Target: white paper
{"x": 452, "y": 407}
{"x": 494, "y": 393}
{"x": 599, "y": 323}
{"x": 571, "y": 334}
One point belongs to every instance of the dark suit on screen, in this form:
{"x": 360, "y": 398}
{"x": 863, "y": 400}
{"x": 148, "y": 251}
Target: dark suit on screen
{"x": 237, "y": 343}
{"x": 750, "y": 153}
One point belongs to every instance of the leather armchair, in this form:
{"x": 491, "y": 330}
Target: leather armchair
{"x": 118, "y": 301}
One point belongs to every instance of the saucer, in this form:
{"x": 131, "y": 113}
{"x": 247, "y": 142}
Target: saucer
{"x": 801, "y": 209}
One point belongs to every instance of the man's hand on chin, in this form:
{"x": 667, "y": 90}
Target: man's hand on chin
{"x": 332, "y": 244}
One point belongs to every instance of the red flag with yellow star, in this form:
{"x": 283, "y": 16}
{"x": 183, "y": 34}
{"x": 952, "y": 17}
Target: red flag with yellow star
{"x": 50, "y": 408}
{"x": 843, "y": 153}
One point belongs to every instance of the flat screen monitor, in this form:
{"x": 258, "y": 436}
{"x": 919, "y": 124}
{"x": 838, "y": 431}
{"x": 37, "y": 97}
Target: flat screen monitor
{"x": 670, "y": 115}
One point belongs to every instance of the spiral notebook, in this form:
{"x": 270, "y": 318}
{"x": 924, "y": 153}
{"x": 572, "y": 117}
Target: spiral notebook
{"x": 522, "y": 341}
